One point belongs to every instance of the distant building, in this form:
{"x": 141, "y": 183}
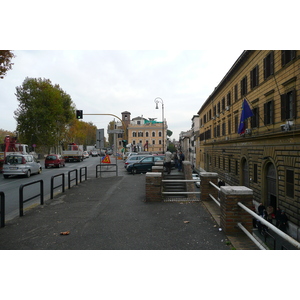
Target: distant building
{"x": 142, "y": 134}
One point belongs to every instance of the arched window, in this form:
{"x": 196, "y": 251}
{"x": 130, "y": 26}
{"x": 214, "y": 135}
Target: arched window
{"x": 159, "y": 134}
{"x": 153, "y": 133}
{"x": 133, "y": 134}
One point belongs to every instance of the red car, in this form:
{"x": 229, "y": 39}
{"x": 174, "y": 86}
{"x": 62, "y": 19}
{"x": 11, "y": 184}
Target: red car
{"x": 54, "y": 160}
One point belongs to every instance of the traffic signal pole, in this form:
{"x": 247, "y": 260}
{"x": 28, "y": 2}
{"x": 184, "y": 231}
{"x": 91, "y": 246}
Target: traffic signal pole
{"x": 124, "y": 126}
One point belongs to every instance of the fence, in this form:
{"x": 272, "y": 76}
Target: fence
{"x": 61, "y": 185}
{"x": 21, "y": 195}
{"x": 99, "y": 169}
{"x": 69, "y": 177}
{"x": 234, "y": 203}
{"x": 2, "y": 209}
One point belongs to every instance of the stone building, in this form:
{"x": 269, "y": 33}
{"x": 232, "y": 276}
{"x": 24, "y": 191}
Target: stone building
{"x": 266, "y": 157}
{"x": 142, "y": 134}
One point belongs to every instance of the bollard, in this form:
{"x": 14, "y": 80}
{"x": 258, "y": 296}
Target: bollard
{"x": 153, "y": 187}
{"x": 206, "y": 188}
{"x": 231, "y": 213}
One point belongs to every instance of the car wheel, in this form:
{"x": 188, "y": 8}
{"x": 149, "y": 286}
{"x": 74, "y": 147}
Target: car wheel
{"x": 28, "y": 174}
{"x": 5, "y": 176}
{"x": 40, "y": 171}
{"x": 58, "y": 166}
{"x": 134, "y": 171}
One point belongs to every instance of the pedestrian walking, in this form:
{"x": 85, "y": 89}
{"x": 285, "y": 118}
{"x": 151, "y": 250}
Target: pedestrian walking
{"x": 180, "y": 160}
{"x": 167, "y": 161}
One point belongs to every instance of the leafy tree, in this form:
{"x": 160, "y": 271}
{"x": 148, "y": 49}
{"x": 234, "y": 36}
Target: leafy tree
{"x": 5, "y": 62}
{"x": 44, "y": 112}
{"x": 80, "y": 133}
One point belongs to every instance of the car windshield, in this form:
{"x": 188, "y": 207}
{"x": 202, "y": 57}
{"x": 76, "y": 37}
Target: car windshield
{"x": 12, "y": 159}
{"x": 51, "y": 157}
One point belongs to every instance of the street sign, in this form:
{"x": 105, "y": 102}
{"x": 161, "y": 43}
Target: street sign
{"x": 115, "y": 131}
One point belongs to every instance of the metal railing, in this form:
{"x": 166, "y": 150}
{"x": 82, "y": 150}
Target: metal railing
{"x": 99, "y": 169}
{"x": 52, "y": 187}
{"x": 69, "y": 178}
{"x": 84, "y": 174}
{"x": 181, "y": 180}
{"x": 2, "y": 209}
{"x": 21, "y": 195}
{"x": 279, "y": 232}
{"x": 217, "y": 201}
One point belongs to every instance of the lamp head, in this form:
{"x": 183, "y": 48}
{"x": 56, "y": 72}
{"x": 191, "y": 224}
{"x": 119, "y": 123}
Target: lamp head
{"x": 156, "y": 105}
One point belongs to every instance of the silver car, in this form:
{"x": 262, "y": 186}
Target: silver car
{"x": 20, "y": 164}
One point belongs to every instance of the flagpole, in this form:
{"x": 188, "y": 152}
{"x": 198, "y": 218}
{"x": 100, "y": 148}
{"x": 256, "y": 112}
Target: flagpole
{"x": 258, "y": 114}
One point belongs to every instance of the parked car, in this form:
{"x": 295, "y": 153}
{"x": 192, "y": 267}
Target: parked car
{"x": 20, "y": 164}
{"x": 145, "y": 164}
{"x": 128, "y": 154}
{"x": 195, "y": 176}
{"x": 133, "y": 159}
{"x": 94, "y": 153}
{"x": 85, "y": 154}
{"x": 54, "y": 160}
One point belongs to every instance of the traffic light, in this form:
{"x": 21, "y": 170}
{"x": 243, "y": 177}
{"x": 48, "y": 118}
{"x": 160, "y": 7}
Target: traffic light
{"x": 124, "y": 143}
{"x": 79, "y": 114}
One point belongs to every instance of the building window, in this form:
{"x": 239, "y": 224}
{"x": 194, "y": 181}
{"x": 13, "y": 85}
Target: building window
{"x": 254, "y": 75}
{"x": 153, "y": 142}
{"x": 255, "y": 118}
{"x": 223, "y": 128}
{"x": 255, "y": 173}
{"x": 147, "y": 134}
{"x": 209, "y": 115}
{"x": 236, "y": 96}
{"x": 153, "y": 133}
{"x": 269, "y": 112}
{"x": 229, "y": 165}
{"x": 159, "y": 142}
{"x": 159, "y": 134}
{"x": 133, "y": 134}
{"x": 236, "y": 123}
{"x": 289, "y": 183}
{"x": 223, "y": 163}
{"x": 288, "y": 105}
{"x": 218, "y": 108}
{"x": 218, "y": 130}
{"x": 140, "y": 134}
{"x": 236, "y": 168}
{"x": 223, "y": 104}
{"x": 269, "y": 65}
{"x": 244, "y": 86}
{"x": 229, "y": 126}
{"x": 229, "y": 99}
{"x": 215, "y": 111}
{"x": 287, "y": 56}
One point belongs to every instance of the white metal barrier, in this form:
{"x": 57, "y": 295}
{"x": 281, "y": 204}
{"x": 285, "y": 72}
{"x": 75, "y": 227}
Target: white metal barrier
{"x": 283, "y": 235}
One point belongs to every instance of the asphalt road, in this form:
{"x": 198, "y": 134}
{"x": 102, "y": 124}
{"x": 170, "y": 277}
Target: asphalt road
{"x": 11, "y": 185}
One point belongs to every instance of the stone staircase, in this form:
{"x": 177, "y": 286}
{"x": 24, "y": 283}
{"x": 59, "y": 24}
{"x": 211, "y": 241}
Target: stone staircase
{"x": 174, "y": 187}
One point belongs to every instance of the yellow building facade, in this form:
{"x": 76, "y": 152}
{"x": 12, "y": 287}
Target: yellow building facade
{"x": 266, "y": 157}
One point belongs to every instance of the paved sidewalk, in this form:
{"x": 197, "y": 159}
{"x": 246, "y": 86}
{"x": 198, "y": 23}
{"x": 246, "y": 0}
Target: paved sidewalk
{"x": 110, "y": 213}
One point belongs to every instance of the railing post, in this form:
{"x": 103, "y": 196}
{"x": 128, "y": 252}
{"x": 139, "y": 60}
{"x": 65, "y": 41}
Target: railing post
{"x": 206, "y": 188}
{"x": 231, "y": 212}
{"x": 153, "y": 187}
{"x": 2, "y": 209}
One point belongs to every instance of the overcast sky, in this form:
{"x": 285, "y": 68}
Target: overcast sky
{"x": 117, "y": 66}
{"x": 111, "y": 82}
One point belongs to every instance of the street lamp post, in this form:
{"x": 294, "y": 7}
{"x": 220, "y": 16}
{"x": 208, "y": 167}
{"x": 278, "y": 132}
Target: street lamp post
{"x": 159, "y": 100}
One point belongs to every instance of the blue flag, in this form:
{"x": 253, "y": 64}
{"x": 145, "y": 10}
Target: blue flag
{"x": 246, "y": 113}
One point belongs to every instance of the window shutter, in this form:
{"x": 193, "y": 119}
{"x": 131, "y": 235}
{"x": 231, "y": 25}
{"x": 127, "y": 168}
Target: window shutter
{"x": 294, "y": 104}
{"x": 265, "y": 113}
{"x": 283, "y": 107}
{"x": 272, "y": 63}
